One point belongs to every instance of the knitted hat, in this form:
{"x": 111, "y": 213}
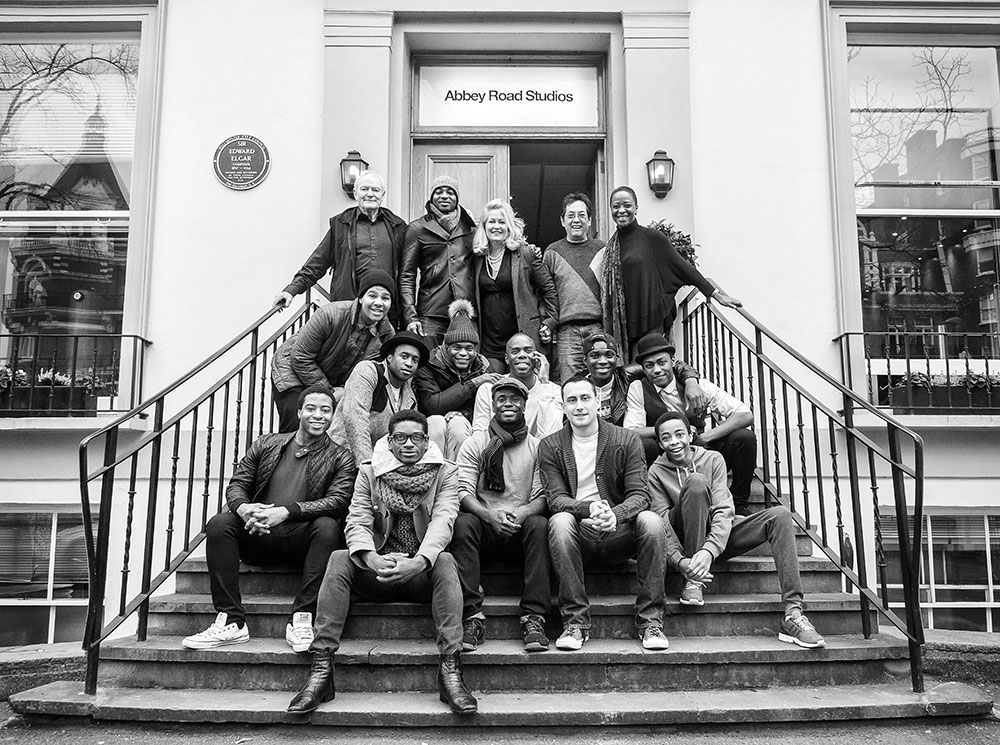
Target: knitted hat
{"x": 461, "y": 327}
{"x": 377, "y": 278}
{"x": 449, "y": 181}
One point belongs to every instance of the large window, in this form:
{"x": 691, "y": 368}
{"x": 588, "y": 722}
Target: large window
{"x": 67, "y": 135}
{"x": 925, "y": 138}
{"x": 960, "y": 584}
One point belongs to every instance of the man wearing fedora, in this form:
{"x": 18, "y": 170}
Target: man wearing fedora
{"x": 437, "y": 257}
{"x": 727, "y": 432}
{"x": 377, "y": 390}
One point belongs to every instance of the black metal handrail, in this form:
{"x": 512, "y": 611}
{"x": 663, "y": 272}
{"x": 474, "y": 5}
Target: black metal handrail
{"x": 925, "y": 372}
{"x": 812, "y": 453}
{"x": 176, "y": 444}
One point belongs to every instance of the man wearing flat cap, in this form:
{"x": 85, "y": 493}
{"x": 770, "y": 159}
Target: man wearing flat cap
{"x": 377, "y": 390}
{"x": 726, "y": 430}
{"x": 438, "y": 251}
{"x": 503, "y": 516}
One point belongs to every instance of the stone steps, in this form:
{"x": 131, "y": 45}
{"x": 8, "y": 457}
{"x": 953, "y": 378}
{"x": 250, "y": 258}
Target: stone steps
{"x": 743, "y": 574}
{"x": 692, "y": 663}
{"x": 612, "y": 616}
{"x": 576, "y": 709}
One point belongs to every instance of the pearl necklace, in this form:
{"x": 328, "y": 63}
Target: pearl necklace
{"x": 493, "y": 264}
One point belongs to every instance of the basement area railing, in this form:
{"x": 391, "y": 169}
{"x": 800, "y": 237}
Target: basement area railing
{"x": 827, "y": 454}
{"x": 158, "y": 473}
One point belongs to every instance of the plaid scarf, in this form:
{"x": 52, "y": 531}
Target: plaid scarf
{"x": 503, "y": 435}
{"x": 613, "y": 294}
{"x": 449, "y": 220}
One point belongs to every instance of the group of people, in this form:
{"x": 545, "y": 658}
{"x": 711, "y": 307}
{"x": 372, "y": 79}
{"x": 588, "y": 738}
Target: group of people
{"x": 404, "y": 459}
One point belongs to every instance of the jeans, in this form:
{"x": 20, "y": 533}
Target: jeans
{"x": 307, "y": 543}
{"x": 739, "y": 450}
{"x": 570, "y": 543}
{"x": 449, "y": 435}
{"x": 569, "y": 347}
{"x": 772, "y": 526}
{"x": 434, "y": 330}
{"x": 438, "y": 584}
{"x": 473, "y": 540}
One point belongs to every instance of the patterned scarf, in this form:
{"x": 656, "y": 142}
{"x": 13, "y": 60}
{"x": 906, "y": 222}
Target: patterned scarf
{"x": 449, "y": 220}
{"x": 613, "y": 293}
{"x": 404, "y": 488}
{"x": 503, "y": 435}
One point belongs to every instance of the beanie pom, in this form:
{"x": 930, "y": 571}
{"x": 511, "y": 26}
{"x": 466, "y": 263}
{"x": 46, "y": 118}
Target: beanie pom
{"x": 461, "y": 306}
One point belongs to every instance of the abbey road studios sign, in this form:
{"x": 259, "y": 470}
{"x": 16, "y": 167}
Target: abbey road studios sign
{"x": 242, "y": 162}
{"x": 495, "y": 96}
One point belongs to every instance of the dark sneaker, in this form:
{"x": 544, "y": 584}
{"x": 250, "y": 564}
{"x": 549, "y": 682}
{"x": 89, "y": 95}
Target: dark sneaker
{"x": 533, "y": 632}
{"x": 653, "y": 638}
{"x": 572, "y": 638}
{"x": 796, "y": 629}
{"x": 692, "y": 593}
{"x": 743, "y": 509}
{"x": 473, "y": 634}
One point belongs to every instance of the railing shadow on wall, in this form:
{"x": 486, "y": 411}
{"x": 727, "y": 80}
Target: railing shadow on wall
{"x": 815, "y": 460}
{"x": 156, "y": 475}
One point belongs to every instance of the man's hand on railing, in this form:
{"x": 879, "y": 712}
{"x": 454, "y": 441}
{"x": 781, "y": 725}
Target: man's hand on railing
{"x": 695, "y": 397}
{"x": 728, "y": 300}
{"x": 282, "y": 300}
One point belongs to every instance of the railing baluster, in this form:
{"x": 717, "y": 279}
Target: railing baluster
{"x": 859, "y": 538}
{"x": 154, "y": 486}
{"x": 788, "y": 446}
{"x": 817, "y": 457}
{"x": 222, "y": 449}
{"x": 802, "y": 458}
{"x": 837, "y": 501}
{"x": 880, "y": 569}
{"x": 774, "y": 436}
{"x": 762, "y": 399}
{"x": 209, "y": 430}
{"x": 192, "y": 457}
{"x": 174, "y": 458}
{"x": 126, "y": 570}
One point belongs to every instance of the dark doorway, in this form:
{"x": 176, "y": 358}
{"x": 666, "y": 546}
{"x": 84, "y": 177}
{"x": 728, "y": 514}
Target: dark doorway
{"x": 541, "y": 174}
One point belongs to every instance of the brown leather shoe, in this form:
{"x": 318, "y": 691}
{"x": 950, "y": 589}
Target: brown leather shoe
{"x": 319, "y": 687}
{"x": 451, "y": 687}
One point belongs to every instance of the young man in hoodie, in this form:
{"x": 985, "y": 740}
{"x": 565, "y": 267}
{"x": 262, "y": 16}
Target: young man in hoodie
{"x": 687, "y": 488}
{"x": 399, "y": 523}
{"x": 446, "y": 386}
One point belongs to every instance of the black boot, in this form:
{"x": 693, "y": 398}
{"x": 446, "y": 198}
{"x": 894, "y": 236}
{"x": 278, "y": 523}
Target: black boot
{"x": 452, "y": 688}
{"x": 318, "y": 689}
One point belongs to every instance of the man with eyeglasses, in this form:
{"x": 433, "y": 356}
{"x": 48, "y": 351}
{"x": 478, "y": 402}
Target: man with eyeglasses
{"x": 503, "y": 516}
{"x": 360, "y": 239}
{"x": 400, "y": 521}
{"x": 286, "y": 499}
{"x": 375, "y": 391}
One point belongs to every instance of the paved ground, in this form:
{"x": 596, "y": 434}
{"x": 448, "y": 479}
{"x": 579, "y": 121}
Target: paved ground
{"x": 929, "y": 732}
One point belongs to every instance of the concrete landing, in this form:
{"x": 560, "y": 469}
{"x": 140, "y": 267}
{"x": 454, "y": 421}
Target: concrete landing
{"x": 513, "y": 709}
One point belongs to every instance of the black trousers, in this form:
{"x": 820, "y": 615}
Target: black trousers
{"x": 473, "y": 541}
{"x": 739, "y": 450}
{"x": 307, "y": 543}
{"x": 287, "y": 404}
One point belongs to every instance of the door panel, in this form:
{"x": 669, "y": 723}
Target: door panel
{"x": 482, "y": 171}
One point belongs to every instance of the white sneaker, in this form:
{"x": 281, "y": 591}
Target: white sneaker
{"x": 219, "y": 634}
{"x": 299, "y": 633}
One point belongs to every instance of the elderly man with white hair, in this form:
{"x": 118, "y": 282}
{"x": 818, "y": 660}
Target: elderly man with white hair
{"x": 361, "y": 238}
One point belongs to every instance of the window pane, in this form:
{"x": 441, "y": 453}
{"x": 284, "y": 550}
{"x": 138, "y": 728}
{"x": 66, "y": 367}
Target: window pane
{"x": 929, "y": 287}
{"x": 994, "y": 526}
{"x": 959, "y": 549}
{"x": 71, "y": 575}
{"x": 25, "y": 545}
{"x": 963, "y": 619}
{"x": 24, "y": 626}
{"x": 70, "y": 622}
{"x": 960, "y": 595}
{"x": 68, "y": 113}
{"x": 921, "y": 116}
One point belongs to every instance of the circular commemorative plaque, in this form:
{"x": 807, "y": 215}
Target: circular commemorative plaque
{"x": 242, "y": 162}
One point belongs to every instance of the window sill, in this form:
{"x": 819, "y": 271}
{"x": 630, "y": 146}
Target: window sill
{"x": 931, "y": 421}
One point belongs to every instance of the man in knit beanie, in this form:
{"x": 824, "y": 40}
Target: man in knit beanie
{"x": 446, "y": 387}
{"x": 437, "y": 257}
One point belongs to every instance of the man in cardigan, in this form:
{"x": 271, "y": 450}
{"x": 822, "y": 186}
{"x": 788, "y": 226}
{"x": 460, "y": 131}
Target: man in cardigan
{"x": 605, "y": 371}
{"x": 362, "y": 238}
{"x": 375, "y": 391}
{"x": 502, "y": 516}
{"x": 656, "y": 393}
{"x": 285, "y": 501}
{"x": 400, "y": 522}
{"x": 594, "y": 476}
{"x": 687, "y": 487}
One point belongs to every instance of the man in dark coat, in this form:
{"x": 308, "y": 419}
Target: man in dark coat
{"x": 438, "y": 247}
{"x": 365, "y": 237}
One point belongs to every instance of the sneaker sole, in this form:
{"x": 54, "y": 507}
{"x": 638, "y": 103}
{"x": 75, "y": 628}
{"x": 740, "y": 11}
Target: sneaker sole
{"x": 657, "y": 648}
{"x": 536, "y": 647}
{"x": 685, "y": 601}
{"x": 469, "y": 647}
{"x": 212, "y": 645}
{"x": 795, "y": 640}
{"x": 299, "y": 647}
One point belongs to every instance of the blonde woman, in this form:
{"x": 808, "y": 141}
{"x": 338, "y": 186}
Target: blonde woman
{"x": 514, "y": 291}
